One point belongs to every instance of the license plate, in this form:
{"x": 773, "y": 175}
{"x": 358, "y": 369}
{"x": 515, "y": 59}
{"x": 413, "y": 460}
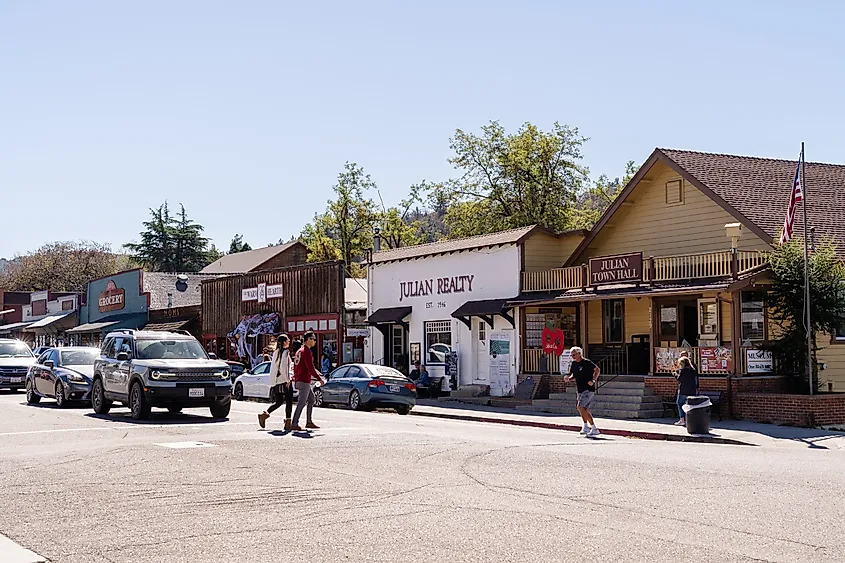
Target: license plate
{"x": 17, "y": 380}
{"x": 393, "y": 388}
{"x": 196, "y": 392}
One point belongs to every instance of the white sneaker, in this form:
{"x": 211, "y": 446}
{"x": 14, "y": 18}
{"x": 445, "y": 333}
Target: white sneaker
{"x": 594, "y": 432}
{"x": 585, "y": 430}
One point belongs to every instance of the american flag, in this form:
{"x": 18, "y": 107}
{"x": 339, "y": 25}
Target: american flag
{"x": 796, "y": 196}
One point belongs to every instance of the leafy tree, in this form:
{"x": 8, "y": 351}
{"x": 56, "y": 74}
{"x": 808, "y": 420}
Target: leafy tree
{"x": 62, "y": 266}
{"x": 398, "y": 227}
{"x": 238, "y": 245}
{"x": 171, "y": 244}
{"x": 593, "y": 202}
{"x": 786, "y": 303}
{"x": 345, "y": 230}
{"x": 514, "y": 180}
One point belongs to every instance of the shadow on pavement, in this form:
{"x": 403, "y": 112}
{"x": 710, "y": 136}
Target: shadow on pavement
{"x": 51, "y": 404}
{"x": 158, "y": 418}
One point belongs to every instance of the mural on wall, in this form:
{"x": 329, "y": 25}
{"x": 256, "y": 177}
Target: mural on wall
{"x": 250, "y": 327}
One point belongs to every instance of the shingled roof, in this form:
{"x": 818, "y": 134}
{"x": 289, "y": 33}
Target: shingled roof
{"x": 759, "y": 190}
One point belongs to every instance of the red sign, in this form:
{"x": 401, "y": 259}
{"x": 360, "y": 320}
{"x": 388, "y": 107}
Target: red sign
{"x": 716, "y": 360}
{"x": 112, "y": 299}
{"x": 553, "y": 341}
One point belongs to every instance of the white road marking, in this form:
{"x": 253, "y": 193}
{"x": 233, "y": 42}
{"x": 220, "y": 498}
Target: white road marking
{"x": 55, "y": 430}
{"x": 183, "y": 445}
{"x": 10, "y": 552}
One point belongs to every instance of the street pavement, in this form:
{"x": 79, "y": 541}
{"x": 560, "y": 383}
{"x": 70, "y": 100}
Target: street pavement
{"x": 383, "y": 487}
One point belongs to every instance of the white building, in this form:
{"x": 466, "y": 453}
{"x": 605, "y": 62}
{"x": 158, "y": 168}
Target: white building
{"x": 49, "y": 315}
{"x": 431, "y": 301}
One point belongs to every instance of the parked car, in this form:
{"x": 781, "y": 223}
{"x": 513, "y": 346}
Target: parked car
{"x": 439, "y": 352}
{"x": 368, "y": 386}
{"x": 15, "y": 360}
{"x": 172, "y": 370}
{"x": 235, "y": 369}
{"x": 40, "y": 350}
{"x": 255, "y": 384}
{"x": 63, "y": 374}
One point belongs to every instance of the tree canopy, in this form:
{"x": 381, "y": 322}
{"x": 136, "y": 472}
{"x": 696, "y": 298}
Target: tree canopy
{"x": 62, "y": 266}
{"x": 172, "y": 244}
{"x": 238, "y": 245}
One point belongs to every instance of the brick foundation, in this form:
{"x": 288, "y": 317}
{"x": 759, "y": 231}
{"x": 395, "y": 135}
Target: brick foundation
{"x": 794, "y": 410}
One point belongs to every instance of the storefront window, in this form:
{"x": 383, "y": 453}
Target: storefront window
{"x": 438, "y": 341}
{"x": 753, "y": 316}
{"x": 564, "y": 318}
{"x": 614, "y": 324}
{"x": 669, "y": 322}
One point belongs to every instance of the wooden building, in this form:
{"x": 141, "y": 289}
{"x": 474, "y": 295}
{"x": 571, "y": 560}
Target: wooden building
{"x": 242, "y": 314}
{"x": 292, "y": 253}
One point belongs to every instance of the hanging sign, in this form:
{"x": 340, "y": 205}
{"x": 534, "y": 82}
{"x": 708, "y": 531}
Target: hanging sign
{"x": 616, "y": 269}
{"x": 261, "y": 293}
{"x": 112, "y": 299}
{"x": 552, "y": 341}
{"x": 565, "y": 362}
{"x": 759, "y": 361}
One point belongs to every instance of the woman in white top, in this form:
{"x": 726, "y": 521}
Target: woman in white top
{"x": 281, "y": 369}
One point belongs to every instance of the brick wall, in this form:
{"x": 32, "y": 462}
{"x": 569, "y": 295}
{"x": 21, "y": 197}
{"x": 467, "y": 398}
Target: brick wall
{"x": 795, "y": 410}
{"x": 667, "y": 386}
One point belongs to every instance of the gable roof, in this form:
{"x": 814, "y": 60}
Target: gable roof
{"x": 511, "y": 236}
{"x": 159, "y": 284}
{"x": 754, "y": 190}
{"x": 249, "y": 261}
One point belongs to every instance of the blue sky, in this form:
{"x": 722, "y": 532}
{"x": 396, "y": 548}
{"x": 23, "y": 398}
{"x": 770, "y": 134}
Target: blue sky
{"x": 246, "y": 111}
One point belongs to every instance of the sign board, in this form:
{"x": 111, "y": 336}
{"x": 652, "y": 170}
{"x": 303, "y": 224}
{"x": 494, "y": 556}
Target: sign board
{"x": 500, "y": 362}
{"x": 716, "y": 359}
{"x": 261, "y": 293}
{"x": 347, "y": 353}
{"x": 666, "y": 359}
{"x": 112, "y": 299}
{"x": 552, "y": 340}
{"x": 274, "y": 291}
{"x": 759, "y": 361}
{"x": 565, "y": 362}
{"x": 365, "y": 332}
{"x": 249, "y": 294}
{"x": 616, "y": 269}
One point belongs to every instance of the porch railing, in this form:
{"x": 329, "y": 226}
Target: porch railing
{"x": 655, "y": 269}
{"x": 535, "y": 360}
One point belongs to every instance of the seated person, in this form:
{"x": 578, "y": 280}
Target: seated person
{"x": 415, "y": 373}
{"x": 423, "y": 380}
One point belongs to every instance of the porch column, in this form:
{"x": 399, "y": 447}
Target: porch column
{"x": 736, "y": 331}
{"x": 585, "y": 329}
{"x": 654, "y": 325}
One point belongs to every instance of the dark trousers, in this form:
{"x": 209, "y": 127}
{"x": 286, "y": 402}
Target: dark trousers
{"x": 284, "y": 394}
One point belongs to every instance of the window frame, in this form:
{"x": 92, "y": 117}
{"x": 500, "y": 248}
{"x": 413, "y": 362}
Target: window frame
{"x": 428, "y": 345}
{"x": 765, "y": 339}
{"x": 607, "y": 303}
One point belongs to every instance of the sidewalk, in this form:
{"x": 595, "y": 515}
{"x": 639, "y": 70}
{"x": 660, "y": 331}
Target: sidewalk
{"x": 730, "y": 432}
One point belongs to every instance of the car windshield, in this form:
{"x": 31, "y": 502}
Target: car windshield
{"x": 14, "y": 350}
{"x": 384, "y": 371}
{"x": 182, "y": 349}
{"x": 79, "y": 357}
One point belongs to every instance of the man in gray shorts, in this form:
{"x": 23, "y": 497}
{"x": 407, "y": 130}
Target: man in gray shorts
{"x": 585, "y": 373}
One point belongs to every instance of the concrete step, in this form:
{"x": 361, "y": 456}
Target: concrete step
{"x": 624, "y": 378}
{"x": 572, "y": 391}
{"x": 598, "y": 411}
{"x": 600, "y": 399}
{"x": 466, "y": 400}
{"x": 616, "y": 384}
{"x": 472, "y": 391}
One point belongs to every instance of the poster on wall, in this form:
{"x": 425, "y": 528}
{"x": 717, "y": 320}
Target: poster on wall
{"x": 415, "y": 352}
{"x": 500, "y": 362}
{"x": 715, "y": 359}
{"x": 759, "y": 361}
{"x": 347, "y": 352}
{"x": 666, "y": 359}
{"x": 452, "y": 369}
{"x": 565, "y": 362}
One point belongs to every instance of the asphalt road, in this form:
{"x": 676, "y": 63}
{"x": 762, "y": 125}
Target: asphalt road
{"x": 383, "y": 487}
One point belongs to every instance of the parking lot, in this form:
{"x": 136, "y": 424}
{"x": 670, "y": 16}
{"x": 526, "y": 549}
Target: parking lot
{"x": 384, "y": 487}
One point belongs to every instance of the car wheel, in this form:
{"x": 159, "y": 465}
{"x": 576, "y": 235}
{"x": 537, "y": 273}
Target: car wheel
{"x": 221, "y": 410}
{"x": 31, "y": 397}
{"x": 403, "y": 410}
{"x": 174, "y": 410}
{"x": 318, "y": 398}
{"x": 355, "y": 400}
{"x": 138, "y": 404}
{"x": 239, "y": 392}
{"x": 99, "y": 403}
{"x": 60, "y": 395}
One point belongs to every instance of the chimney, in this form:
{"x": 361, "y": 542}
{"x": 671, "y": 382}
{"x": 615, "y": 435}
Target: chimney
{"x": 376, "y": 239}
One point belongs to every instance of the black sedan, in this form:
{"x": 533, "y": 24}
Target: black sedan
{"x": 63, "y": 374}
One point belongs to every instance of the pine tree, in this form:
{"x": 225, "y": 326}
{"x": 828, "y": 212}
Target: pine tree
{"x": 171, "y": 244}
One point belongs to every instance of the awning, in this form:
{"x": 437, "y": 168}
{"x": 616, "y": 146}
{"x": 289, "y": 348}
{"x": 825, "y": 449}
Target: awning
{"x": 51, "y": 321}
{"x": 14, "y": 326}
{"x": 173, "y": 325}
{"x": 91, "y": 327}
{"x": 7, "y": 311}
{"x": 389, "y": 315}
{"x": 619, "y": 292}
{"x": 484, "y": 308}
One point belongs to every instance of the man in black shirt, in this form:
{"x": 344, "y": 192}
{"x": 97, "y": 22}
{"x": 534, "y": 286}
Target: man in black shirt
{"x": 586, "y": 374}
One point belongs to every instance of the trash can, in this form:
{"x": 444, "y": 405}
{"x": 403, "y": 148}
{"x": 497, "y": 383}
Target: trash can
{"x": 697, "y": 410}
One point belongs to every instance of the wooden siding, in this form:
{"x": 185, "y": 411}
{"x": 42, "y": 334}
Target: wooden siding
{"x": 834, "y": 356}
{"x": 594, "y": 325}
{"x": 657, "y": 229}
{"x": 311, "y": 289}
{"x": 293, "y": 256}
{"x": 636, "y": 317}
{"x": 543, "y": 251}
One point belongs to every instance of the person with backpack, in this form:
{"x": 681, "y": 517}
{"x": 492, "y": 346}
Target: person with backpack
{"x": 281, "y": 369}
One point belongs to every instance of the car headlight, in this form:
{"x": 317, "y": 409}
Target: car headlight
{"x": 155, "y": 374}
{"x": 75, "y": 377}
{"x": 224, "y": 374}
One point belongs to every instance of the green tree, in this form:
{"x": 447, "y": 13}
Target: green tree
{"x": 171, "y": 244}
{"x": 62, "y": 266}
{"x": 238, "y": 245}
{"x": 345, "y": 230}
{"x": 398, "y": 225}
{"x": 786, "y": 303}
{"x": 514, "y": 180}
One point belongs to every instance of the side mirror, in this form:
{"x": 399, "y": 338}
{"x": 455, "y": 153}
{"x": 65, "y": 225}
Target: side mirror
{"x": 122, "y": 357}
{"x": 212, "y": 355}
{"x": 49, "y": 364}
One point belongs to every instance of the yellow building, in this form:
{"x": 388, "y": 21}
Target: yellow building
{"x": 677, "y": 262}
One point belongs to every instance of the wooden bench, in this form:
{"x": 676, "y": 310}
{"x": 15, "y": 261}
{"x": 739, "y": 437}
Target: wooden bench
{"x": 670, "y": 404}
{"x": 431, "y": 391}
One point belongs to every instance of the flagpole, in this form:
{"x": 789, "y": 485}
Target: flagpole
{"x": 807, "y": 272}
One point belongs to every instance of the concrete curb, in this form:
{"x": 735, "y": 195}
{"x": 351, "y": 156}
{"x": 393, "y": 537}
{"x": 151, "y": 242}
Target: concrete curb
{"x": 658, "y": 436}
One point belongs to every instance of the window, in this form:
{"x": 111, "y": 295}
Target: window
{"x": 111, "y": 347}
{"x": 339, "y": 372}
{"x": 482, "y": 330}
{"x": 669, "y": 322}
{"x": 753, "y": 316}
{"x": 675, "y": 192}
{"x": 43, "y": 358}
{"x": 78, "y": 357}
{"x": 398, "y": 341}
{"x": 354, "y": 372}
{"x": 170, "y": 350}
{"x": 438, "y": 341}
{"x": 613, "y": 317}
{"x": 262, "y": 368}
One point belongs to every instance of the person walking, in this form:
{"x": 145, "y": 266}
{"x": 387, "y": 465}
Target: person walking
{"x": 586, "y": 374}
{"x": 303, "y": 371}
{"x": 687, "y": 378}
{"x": 281, "y": 370}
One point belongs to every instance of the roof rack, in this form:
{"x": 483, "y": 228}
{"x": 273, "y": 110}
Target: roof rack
{"x": 124, "y": 330}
